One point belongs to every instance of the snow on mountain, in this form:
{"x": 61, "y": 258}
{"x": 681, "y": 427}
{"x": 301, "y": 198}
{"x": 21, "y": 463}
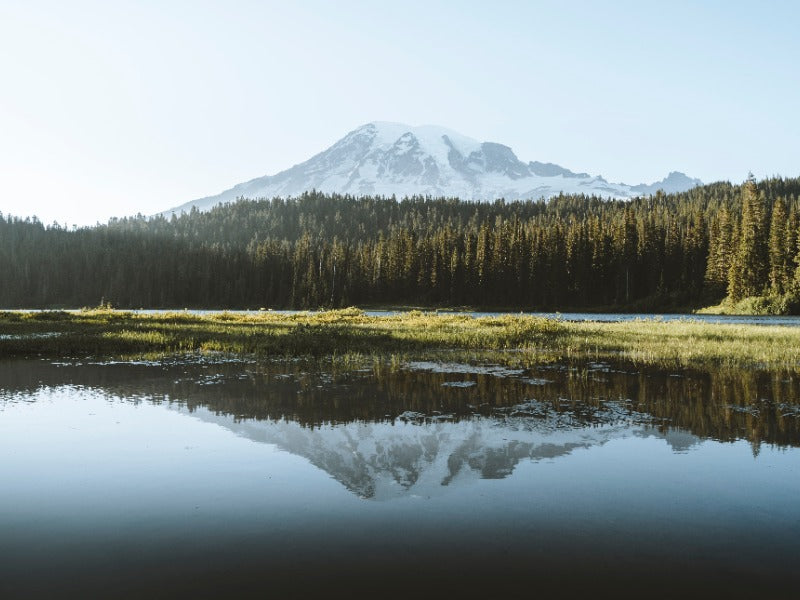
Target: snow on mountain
{"x": 388, "y": 159}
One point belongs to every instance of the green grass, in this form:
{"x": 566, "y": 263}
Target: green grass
{"x": 787, "y": 304}
{"x": 506, "y": 339}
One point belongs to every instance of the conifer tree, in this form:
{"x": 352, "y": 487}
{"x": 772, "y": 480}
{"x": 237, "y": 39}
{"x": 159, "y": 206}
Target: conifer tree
{"x": 322, "y": 250}
{"x": 752, "y": 256}
{"x": 779, "y": 274}
{"x": 720, "y": 252}
{"x": 735, "y": 271}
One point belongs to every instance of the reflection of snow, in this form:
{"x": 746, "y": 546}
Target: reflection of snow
{"x": 419, "y": 455}
{"x": 536, "y": 381}
{"x": 449, "y": 367}
{"x": 30, "y": 336}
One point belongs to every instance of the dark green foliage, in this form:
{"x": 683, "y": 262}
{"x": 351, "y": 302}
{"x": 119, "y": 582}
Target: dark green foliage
{"x": 720, "y": 253}
{"x": 780, "y": 260}
{"x": 656, "y": 253}
{"x": 750, "y": 268}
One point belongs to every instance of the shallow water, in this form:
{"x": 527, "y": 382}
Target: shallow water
{"x": 785, "y": 321}
{"x": 200, "y": 477}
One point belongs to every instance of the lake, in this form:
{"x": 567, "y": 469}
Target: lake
{"x": 209, "y": 476}
{"x": 787, "y": 321}
{"x": 782, "y": 320}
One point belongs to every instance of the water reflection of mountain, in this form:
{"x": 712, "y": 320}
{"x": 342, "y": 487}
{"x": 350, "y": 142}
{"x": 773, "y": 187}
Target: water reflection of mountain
{"x": 421, "y": 456}
{"x": 759, "y": 406}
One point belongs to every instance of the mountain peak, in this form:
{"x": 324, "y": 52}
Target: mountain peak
{"x": 385, "y": 158}
{"x": 673, "y": 183}
{"x": 430, "y": 137}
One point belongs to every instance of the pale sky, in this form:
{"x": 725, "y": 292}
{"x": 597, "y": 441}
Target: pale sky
{"x": 111, "y": 108}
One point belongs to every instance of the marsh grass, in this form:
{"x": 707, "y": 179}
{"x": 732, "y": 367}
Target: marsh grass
{"x": 507, "y": 339}
{"x": 785, "y": 304}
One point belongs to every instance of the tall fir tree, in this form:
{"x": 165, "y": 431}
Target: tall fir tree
{"x": 752, "y": 256}
{"x": 779, "y": 263}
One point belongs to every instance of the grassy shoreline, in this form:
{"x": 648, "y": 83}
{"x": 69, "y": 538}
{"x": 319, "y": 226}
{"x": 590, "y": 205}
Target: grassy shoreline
{"x": 409, "y": 335}
{"x": 776, "y": 305}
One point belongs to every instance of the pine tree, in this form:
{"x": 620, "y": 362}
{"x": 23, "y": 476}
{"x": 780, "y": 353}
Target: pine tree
{"x": 752, "y": 256}
{"x": 571, "y": 251}
{"x": 696, "y": 253}
{"x": 779, "y": 274}
{"x": 720, "y": 253}
{"x": 735, "y": 282}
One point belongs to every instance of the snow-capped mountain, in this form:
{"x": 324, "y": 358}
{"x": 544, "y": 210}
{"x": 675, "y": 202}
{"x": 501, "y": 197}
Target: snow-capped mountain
{"x": 394, "y": 159}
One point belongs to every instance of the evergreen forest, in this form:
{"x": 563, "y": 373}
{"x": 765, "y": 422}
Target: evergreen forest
{"x": 737, "y": 243}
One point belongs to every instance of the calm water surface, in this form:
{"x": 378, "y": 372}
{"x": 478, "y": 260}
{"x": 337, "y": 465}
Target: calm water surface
{"x": 792, "y": 321}
{"x": 786, "y": 321}
{"x": 208, "y": 477}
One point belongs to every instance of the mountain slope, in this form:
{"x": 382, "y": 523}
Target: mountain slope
{"x": 393, "y": 159}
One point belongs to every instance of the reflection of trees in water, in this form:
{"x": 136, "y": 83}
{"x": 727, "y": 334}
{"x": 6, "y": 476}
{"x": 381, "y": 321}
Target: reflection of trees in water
{"x": 758, "y": 406}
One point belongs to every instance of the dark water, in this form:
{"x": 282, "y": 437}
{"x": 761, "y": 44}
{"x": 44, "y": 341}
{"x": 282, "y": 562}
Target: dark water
{"x": 220, "y": 478}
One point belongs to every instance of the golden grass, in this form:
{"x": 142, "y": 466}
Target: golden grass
{"x": 504, "y": 339}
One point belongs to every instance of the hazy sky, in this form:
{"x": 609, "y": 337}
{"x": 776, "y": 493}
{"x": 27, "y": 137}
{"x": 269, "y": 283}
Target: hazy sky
{"x": 111, "y": 108}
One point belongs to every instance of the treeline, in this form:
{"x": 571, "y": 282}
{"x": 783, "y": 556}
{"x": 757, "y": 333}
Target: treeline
{"x": 655, "y": 253}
